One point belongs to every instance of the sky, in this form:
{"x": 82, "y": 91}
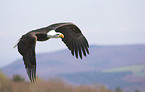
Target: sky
{"x": 103, "y": 22}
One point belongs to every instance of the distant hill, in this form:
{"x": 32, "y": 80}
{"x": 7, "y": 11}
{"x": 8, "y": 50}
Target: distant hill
{"x": 125, "y": 80}
{"x": 102, "y": 59}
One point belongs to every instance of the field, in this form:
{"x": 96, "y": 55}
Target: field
{"x": 137, "y": 70}
{"x": 17, "y": 84}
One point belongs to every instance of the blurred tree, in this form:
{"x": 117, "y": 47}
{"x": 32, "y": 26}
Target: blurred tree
{"x": 136, "y": 90}
{"x": 18, "y": 78}
{"x": 118, "y": 90}
{"x": 5, "y": 85}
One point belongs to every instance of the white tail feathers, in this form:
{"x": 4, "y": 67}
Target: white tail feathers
{"x": 16, "y": 43}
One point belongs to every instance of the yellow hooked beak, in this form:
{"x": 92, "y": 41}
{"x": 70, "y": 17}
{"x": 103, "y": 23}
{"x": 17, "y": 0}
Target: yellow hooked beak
{"x": 61, "y": 35}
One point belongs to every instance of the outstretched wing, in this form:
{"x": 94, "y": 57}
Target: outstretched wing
{"x": 74, "y": 39}
{"x": 26, "y": 48}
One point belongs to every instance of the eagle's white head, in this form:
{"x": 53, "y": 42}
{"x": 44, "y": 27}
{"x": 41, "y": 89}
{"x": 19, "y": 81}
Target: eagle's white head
{"x": 54, "y": 34}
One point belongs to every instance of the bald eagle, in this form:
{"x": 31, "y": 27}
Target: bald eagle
{"x": 68, "y": 32}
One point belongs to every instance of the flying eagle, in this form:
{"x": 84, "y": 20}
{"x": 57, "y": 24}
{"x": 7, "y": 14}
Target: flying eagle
{"x": 68, "y": 32}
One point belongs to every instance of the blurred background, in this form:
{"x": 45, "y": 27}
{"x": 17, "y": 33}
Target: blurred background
{"x": 115, "y": 30}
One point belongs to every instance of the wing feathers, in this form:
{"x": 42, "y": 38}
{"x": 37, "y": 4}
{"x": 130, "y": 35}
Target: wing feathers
{"x": 82, "y": 49}
{"x": 26, "y": 47}
{"x": 76, "y": 49}
{"x": 80, "y": 53}
{"x": 79, "y": 48}
{"x": 72, "y": 46}
{"x": 31, "y": 73}
{"x": 87, "y": 49}
{"x": 74, "y": 40}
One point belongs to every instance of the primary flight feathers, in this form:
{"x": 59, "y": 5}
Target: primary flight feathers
{"x": 68, "y": 32}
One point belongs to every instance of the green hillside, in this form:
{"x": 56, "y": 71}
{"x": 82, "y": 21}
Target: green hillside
{"x": 138, "y": 70}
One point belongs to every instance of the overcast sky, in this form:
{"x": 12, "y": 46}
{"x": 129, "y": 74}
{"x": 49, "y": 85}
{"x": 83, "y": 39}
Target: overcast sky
{"x": 103, "y": 22}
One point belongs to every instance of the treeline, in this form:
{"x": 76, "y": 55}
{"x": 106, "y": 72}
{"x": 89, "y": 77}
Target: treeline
{"x": 18, "y": 84}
